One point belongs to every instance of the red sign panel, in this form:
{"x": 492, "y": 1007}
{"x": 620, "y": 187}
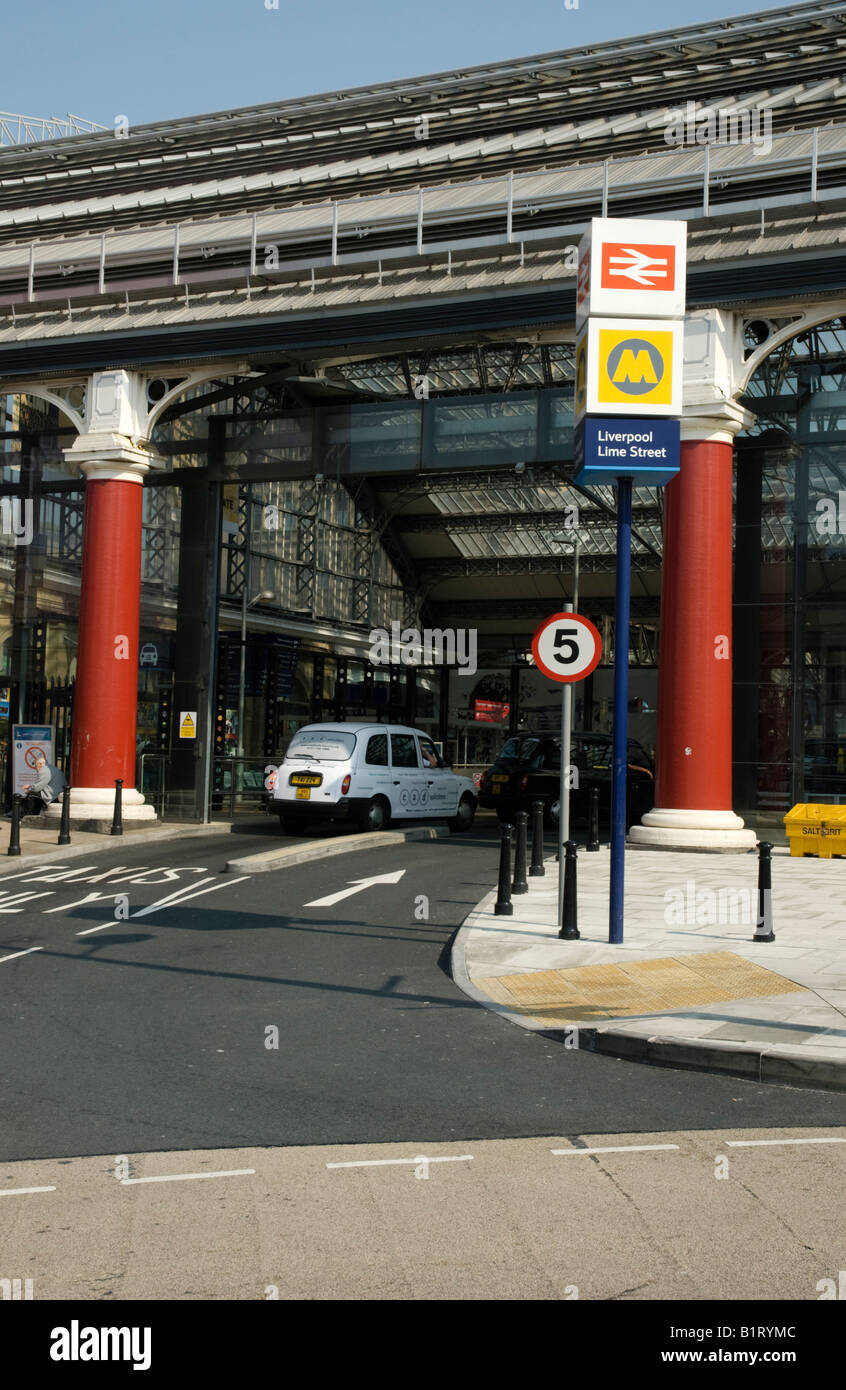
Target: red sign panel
{"x": 490, "y": 711}
{"x": 637, "y": 265}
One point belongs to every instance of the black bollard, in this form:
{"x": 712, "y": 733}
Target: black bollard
{"x": 536, "y": 869}
{"x": 504, "y": 906}
{"x": 593, "y": 821}
{"x": 764, "y": 925}
{"x": 64, "y": 828}
{"x": 569, "y": 930}
{"x": 15, "y": 835}
{"x": 117, "y": 821}
{"x": 521, "y": 883}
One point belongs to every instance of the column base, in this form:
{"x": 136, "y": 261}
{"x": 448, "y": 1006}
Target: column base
{"x": 98, "y": 803}
{"x": 665, "y": 828}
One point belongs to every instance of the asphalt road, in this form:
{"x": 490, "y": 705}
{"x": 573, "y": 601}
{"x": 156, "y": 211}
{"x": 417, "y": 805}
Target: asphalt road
{"x": 155, "y": 1032}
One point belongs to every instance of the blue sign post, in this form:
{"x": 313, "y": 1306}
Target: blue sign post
{"x": 619, "y": 452}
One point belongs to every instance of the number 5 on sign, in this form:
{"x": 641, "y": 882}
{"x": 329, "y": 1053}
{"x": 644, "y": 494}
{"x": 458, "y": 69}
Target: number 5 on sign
{"x": 567, "y": 647}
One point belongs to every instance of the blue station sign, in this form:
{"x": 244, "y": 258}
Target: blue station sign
{"x": 645, "y": 450}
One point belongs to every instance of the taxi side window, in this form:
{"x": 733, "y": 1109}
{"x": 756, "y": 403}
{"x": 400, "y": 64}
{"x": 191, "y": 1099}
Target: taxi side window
{"x": 429, "y": 753}
{"x": 377, "y": 750}
{"x": 403, "y": 750}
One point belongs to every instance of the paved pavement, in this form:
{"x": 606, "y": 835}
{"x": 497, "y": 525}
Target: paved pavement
{"x": 676, "y": 1215}
{"x": 688, "y": 986}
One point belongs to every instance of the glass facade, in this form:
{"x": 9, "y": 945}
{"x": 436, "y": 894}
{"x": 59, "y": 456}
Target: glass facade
{"x": 790, "y": 579}
{"x": 307, "y": 566}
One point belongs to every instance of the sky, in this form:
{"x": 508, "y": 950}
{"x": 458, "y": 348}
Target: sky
{"x": 151, "y": 60}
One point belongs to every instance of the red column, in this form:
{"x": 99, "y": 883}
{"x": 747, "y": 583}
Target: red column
{"x": 693, "y": 791}
{"x": 106, "y": 693}
{"x": 694, "y": 675}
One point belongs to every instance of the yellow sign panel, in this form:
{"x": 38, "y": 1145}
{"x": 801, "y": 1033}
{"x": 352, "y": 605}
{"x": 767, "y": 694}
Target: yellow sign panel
{"x": 231, "y": 512}
{"x": 188, "y": 723}
{"x": 581, "y": 375}
{"x": 634, "y": 367}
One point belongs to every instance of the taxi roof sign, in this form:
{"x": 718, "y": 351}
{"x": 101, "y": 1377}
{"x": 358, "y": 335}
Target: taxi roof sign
{"x": 632, "y": 266}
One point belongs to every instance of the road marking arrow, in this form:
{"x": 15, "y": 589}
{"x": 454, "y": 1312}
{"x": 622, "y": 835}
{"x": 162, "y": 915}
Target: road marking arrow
{"x": 358, "y": 886}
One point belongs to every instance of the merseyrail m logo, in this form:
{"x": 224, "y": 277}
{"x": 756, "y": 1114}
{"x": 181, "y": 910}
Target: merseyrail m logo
{"x": 635, "y": 366}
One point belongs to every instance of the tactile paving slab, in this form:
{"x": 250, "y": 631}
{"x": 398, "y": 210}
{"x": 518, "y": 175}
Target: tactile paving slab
{"x": 590, "y": 992}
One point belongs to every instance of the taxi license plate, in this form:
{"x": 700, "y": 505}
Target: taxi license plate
{"x": 500, "y": 778}
{"x": 496, "y": 789}
{"x": 303, "y": 793}
{"x": 306, "y": 779}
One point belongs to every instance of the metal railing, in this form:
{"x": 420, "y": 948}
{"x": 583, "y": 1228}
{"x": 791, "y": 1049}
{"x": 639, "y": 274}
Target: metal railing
{"x": 798, "y": 166}
{"x": 152, "y": 779}
{"x": 238, "y": 786}
{"x": 23, "y": 130}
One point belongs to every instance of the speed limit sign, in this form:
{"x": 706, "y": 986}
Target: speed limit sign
{"x": 567, "y": 647}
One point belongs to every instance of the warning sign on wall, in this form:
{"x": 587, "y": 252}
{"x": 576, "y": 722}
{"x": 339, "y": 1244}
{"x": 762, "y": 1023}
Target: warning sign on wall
{"x": 188, "y": 723}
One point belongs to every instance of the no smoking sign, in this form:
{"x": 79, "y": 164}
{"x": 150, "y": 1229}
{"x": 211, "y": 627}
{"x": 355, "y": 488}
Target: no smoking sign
{"x": 567, "y": 647}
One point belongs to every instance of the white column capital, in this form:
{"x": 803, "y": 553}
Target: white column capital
{"x": 717, "y": 420}
{"x": 713, "y": 376}
{"x": 107, "y": 457}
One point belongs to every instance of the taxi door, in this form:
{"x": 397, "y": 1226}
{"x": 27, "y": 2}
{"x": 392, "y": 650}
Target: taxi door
{"x": 407, "y": 784}
{"x": 440, "y": 785}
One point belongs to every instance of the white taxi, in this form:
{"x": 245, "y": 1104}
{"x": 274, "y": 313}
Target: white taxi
{"x": 367, "y": 775}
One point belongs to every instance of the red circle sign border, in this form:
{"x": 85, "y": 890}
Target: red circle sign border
{"x": 556, "y": 675}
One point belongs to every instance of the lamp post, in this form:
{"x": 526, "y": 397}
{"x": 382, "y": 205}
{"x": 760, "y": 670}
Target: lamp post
{"x": 266, "y": 596}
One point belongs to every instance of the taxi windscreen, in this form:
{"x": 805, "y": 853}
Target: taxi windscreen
{"x": 326, "y": 746}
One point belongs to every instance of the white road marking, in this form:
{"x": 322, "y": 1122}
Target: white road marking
{"x": 22, "y": 1191}
{"x": 113, "y": 923}
{"x": 93, "y": 897}
{"x": 184, "y": 894}
{"x": 22, "y": 953}
{"x": 6, "y": 903}
{"x": 358, "y": 886}
{"x": 188, "y": 1177}
{"x": 617, "y": 1149}
{"x": 174, "y": 900}
{"x": 44, "y": 874}
{"x": 384, "y": 1162}
{"x": 758, "y": 1143}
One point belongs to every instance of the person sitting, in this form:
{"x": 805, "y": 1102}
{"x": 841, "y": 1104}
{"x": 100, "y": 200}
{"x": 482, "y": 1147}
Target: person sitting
{"x": 47, "y": 787}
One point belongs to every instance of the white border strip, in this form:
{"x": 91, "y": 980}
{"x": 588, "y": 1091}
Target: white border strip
{"x": 187, "y": 1177}
{"x": 21, "y": 1191}
{"x": 383, "y": 1162}
{"x": 617, "y": 1149}
{"x": 760, "y": 1143}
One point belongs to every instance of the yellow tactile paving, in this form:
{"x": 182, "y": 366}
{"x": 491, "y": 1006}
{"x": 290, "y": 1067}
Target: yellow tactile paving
{"x": 593, "y": 992}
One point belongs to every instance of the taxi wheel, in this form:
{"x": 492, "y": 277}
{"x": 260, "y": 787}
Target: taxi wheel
{"x": 377, "y": 816}
{"x": 464, "y": 816}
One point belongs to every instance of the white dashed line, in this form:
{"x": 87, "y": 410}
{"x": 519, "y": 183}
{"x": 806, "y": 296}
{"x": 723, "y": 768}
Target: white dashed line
{"x": 21, "y": 1191}
{"x": 22, "y": 953}
{"x": 188, "y": 1177}
{"x": 759, "y": 1143}
{"x": 383, "y": 1162}
{"x": 116, "y": 921}
{"x": 616, "y": 1149}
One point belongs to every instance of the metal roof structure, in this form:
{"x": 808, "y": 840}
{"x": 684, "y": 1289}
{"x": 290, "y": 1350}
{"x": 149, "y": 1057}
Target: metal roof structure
{"x": 354, "y": 240}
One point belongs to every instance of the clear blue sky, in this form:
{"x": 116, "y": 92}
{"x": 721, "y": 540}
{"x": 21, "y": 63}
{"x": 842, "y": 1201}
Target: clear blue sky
{"x": 155, "y": 59}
